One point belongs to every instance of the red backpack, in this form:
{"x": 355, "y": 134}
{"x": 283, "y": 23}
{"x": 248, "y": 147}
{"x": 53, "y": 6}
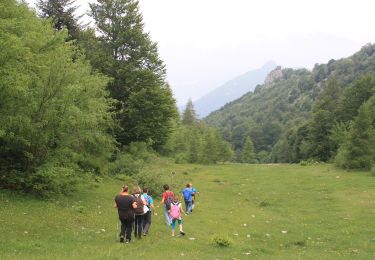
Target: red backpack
{"x": 169, "y": 199}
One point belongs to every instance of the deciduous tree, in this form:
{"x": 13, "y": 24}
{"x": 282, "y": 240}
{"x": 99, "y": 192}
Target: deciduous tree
{"x": 145, "y": 107}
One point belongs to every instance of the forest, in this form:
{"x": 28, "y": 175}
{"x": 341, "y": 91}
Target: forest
{"x": 79, "y": 103}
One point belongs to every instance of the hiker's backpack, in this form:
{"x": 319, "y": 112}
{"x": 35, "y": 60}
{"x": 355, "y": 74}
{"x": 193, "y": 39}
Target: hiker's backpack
{"x": 147, "y": 197}
{"x": 175, "y": 210}
{"x": 187, "y": 193}
{"x": 168, "y": 200}
{"x": 139, "y": 209}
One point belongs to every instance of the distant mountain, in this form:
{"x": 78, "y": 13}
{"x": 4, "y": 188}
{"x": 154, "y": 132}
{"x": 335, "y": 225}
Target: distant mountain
{"x": 232, "y": 90}
{"x": 277, "y": 110}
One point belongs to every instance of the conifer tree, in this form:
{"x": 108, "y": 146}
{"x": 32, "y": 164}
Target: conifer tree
{"x": 225, "y": 151}
{"x": 62, "y": 13}
{"x": 145, "y": 106}
{"x": 189, "y": 116}
{"x": 247, "y": 154}
{"x": 210, "y": 148}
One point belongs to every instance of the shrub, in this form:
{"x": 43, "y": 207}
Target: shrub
{"x": 181, "y": 158}
{"x": 53, "y": 180}
{"x": 126, "y": 164}
{"x": 264, "y": 204}
{"x": 155, "y": 177}
{"x": 140, "y": 164}
{"x": 141, "y": 151}
{"x": 222, "y": 241}
{"x": 308, "y": 162}
{"x": 132, "y": 159}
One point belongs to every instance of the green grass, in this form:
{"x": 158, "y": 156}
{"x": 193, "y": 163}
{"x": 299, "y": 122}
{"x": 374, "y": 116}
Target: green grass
{"x": 254, "y": 211}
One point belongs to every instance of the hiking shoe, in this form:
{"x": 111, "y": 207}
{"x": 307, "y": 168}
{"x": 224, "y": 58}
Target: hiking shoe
{"x": 121, "y": 240}
{"x": 127, "y": 241}
{"x": 182, "y": 233}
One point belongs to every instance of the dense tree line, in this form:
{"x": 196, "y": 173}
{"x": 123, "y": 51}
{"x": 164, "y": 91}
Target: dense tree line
{"x": 80, "y": 102}
{"x": 195, "y": 142}
{"x": 323, "y": 115}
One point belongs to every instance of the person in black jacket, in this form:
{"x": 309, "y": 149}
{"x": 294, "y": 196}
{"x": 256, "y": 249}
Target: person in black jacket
{"x": 125, "y": 204}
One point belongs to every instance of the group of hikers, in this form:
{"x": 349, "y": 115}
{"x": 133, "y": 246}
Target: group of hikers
{"x": 135, "y": 210}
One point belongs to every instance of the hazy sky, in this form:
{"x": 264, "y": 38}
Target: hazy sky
{"x": 205, "y": 43}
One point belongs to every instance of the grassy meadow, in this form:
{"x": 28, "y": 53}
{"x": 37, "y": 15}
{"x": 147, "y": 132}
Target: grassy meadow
{"x": 261, "y": 211}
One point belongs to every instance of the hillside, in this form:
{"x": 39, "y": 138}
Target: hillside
{"x": 232, "y": 90}
{"x": 285, "y": 101}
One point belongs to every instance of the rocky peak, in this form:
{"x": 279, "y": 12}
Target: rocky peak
{"x": 273, "y": 76}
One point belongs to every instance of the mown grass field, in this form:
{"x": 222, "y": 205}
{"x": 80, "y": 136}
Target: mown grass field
{"x": 265, "y": 211}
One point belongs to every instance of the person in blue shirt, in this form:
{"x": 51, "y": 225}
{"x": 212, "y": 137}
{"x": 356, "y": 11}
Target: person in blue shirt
{"x": 147, "y": 215}
{"x": 187, "y": 193}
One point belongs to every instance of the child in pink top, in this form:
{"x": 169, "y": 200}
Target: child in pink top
{"x": 175, "y": 214}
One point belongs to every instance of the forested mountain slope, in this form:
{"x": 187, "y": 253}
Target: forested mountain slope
{"x": 285, "y": 103}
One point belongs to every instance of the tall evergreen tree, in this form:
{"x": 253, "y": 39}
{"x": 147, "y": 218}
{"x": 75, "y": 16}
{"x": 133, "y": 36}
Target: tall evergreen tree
{"x": 189, "y": 116}
{"x": 195, "y": 144}
{"x": 225, "y": 151}
{"x": 145, "y": 104}
{"x": 62, "y": 13}
{"x": 247, "y": 154}
{"x": 211, "y": 147}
